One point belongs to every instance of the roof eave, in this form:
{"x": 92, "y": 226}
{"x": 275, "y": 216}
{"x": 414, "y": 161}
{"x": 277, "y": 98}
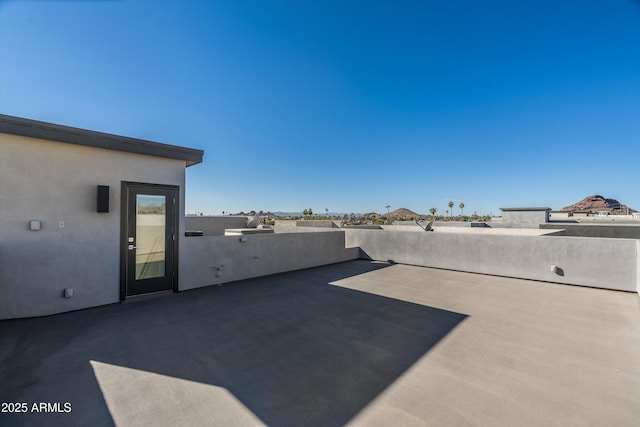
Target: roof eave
{"x": 71, "y": 135}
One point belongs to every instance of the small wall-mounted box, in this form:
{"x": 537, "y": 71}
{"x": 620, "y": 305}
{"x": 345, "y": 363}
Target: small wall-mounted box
{"x": 103, "y": 198}
{"x": 35, "y": 225}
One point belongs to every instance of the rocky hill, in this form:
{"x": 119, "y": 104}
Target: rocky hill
{"x": 597, "y": 203}
{"x": 402, "y": 212}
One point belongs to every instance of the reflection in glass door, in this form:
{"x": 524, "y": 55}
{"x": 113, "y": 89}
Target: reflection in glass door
{"x": 151, "y": 213}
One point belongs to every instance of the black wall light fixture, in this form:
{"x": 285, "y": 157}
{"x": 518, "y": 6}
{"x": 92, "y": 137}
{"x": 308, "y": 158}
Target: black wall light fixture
{"x": 103, "y": 198}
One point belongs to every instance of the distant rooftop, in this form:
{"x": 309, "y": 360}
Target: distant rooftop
{"x": 526, "y": 209}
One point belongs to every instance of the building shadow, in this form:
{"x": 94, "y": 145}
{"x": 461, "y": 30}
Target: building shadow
{"x": 292, "y": 348}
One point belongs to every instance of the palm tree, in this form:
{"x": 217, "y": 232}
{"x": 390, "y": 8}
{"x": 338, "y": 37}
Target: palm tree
{"x": 451, "y": 207}
{"x": 388, "y": 206}
{"x": 461, "y": 205}
{"x": 305, "y": 212}
{"x": 433, "y": 212}
{"x": 326, "y": 210}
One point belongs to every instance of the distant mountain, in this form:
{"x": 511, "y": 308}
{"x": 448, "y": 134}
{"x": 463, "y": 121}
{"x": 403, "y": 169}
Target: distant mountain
{"x": 597, "y": 203}
{"x": 286, "y": 214}
{"x": 402, "y": 212}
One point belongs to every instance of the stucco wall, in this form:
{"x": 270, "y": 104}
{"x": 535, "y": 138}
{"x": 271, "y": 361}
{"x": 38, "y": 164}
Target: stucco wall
{"x": 260, "y": 255}
{"x": 525, "y": 216}
{"x": 317, "y": 223}
{"x": 214, "y": 225}
{"x": 604, "y": 263}
{"x": 286, "y": 226}
{"x": 619, "y": 231}
{"x": 494, "y": 223}
{"x": 304, "y": 226}
{"x": 52, "y": 182}
{"x": 518, "y": 231}
{"x": 638, "y": 266}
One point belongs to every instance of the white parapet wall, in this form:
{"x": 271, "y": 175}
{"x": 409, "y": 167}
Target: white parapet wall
{"x": 211, "y": 260}
{"x": 479, "y": 230}
{"x": 638, "y": 266}
{"x": 214, "y": 225}
{"x": 596, "y": 262}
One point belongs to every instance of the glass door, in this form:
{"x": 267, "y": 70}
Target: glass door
{"x": 149, "y": 239}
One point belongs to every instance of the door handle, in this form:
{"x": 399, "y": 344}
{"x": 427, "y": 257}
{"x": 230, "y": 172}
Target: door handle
{"x": 132, "y": 247}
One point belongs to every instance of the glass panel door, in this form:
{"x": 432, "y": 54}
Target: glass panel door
{"x": 151, "y": 219}
{"x": 148, "y": 239}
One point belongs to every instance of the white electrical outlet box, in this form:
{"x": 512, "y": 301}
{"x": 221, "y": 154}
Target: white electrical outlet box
{"x": 34, "y": 225}
{"x": 60, "y": 224}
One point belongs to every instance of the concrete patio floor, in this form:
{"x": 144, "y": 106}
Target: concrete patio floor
{"x": 356, "y": 343}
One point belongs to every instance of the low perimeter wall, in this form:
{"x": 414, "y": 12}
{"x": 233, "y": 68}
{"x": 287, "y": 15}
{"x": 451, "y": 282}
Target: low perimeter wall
{"x": 260, "y": 255}
{"x": 214, "y": 225}
{"x": 618, "y": 231}
{"x": 602, "y": 263}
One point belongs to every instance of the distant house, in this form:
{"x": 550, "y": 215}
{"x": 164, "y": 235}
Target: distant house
{"x": 581, "y": 214}
{"x": 560, "y": 215}
{"x": 86, "y": 218}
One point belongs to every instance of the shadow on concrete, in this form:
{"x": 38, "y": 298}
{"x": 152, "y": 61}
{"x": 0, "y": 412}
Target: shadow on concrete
{"x": 294, "y": 349}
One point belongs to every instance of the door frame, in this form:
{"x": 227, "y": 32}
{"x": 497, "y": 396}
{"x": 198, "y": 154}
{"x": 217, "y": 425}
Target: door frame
{"x": 126, "y": 186}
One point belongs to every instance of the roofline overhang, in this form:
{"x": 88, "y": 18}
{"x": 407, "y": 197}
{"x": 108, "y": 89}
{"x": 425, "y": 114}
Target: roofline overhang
{"x": 71, "y": 135}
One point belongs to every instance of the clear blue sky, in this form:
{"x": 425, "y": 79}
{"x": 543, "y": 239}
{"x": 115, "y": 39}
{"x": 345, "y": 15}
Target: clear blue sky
{"x": 347, "y": 105}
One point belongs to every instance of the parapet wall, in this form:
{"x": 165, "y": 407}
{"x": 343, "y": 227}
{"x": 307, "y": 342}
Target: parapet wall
{"x": 638, "y": 266}
{"x": 317, "y": 223}
{"x": 304, "y": 226}
{"x": 602, "y": 263}
{"x": 519, "y": 231}
{"x": 242, "y": 257}
{"x": 214, "y": 225}
{"x": 618, "y": 231}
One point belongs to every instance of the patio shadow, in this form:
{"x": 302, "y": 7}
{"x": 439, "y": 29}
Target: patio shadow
{"x": 292, "y": 348}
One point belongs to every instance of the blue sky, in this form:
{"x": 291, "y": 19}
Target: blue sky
{"x": 347, "y": 105}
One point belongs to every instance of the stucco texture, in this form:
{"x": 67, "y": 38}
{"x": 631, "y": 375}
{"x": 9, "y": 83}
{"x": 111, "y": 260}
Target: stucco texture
{"x": 53, "y": 182}
{"x": 602, "y": 263}
{"x": 221, "y": 259}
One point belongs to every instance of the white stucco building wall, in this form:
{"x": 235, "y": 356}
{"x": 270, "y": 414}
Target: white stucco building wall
{"x": 56, "y": 183}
